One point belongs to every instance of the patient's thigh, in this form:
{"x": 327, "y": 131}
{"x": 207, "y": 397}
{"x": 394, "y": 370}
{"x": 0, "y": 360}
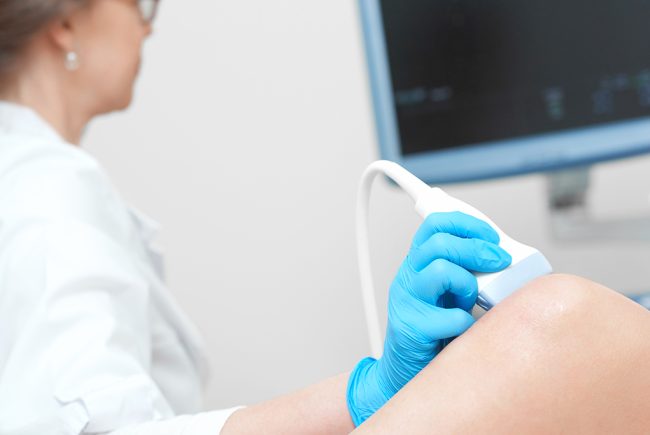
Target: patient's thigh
{"x": 563, "y": 355}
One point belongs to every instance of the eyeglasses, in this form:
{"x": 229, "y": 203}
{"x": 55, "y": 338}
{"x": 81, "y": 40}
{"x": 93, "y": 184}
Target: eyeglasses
{"x": 148, "y": 9}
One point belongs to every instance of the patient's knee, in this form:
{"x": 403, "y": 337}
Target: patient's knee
{"x": 552, "y": 307}
{"x": 561, "y": 295}
{"x": 546, "y": 300}
{"x": 553, "y": 297}
{"x": 570, "y": 288}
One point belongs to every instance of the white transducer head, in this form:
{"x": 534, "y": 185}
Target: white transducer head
{"x": 527, "y": 262}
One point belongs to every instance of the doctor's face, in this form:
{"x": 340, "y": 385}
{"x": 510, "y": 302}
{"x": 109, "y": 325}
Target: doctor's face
{"x": 109, "y": 35}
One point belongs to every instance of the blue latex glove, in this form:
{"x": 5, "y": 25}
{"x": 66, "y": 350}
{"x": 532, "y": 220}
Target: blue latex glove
{"x": 429, "y": 303}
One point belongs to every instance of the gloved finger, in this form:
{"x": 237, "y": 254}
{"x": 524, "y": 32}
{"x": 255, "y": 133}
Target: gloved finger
{"x": 456, "y": 223}
{"x": 437, "y": 323}
{"x": 442, "y": 276}
{"x": 472, "y": 254}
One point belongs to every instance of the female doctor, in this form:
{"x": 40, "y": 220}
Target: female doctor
{"x": 91, "y": 341}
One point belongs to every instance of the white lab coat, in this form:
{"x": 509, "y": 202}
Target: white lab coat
{"x": 91, "y": 340}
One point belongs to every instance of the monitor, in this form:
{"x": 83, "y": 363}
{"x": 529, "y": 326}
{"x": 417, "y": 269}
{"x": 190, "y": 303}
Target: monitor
{"x": 473, "y": 89}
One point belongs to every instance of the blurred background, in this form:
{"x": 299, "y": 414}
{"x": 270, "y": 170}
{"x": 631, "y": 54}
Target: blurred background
{"x": 251, "y": 126}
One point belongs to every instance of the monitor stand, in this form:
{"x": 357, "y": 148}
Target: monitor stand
{"x": 571, "y": 221}
{"x": 570, "y": 217}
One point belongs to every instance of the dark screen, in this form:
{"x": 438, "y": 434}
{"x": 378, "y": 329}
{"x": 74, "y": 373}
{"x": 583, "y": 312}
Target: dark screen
{"x": 468, "y": 71}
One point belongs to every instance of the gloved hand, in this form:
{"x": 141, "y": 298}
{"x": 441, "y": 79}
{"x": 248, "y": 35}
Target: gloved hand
{"x": 429, "y": 303}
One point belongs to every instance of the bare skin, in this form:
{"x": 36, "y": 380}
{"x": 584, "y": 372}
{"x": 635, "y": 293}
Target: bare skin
{"x": 563, "y": 355}
{"x": 317, "y": 409}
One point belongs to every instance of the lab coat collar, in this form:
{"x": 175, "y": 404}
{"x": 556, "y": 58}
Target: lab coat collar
{"x": 23, "y": 120}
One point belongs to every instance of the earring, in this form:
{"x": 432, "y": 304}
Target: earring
{"x": 71, "y": 61}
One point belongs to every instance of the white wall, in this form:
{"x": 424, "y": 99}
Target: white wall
{"x": 249, "y": 131}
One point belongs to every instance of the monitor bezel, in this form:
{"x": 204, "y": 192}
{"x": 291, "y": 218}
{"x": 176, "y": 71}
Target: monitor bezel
{"x": 530, "y": 154}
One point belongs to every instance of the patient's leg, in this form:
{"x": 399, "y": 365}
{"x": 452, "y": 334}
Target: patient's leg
{"x": 563, "y": 355}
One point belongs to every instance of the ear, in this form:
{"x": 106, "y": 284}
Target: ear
{"x": 62, "y": 32}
